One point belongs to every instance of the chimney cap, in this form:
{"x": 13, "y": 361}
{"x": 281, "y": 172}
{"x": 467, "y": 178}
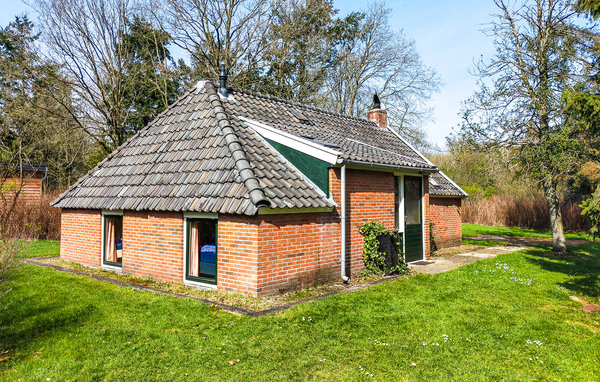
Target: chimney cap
{"x": 376, "y": 102}
{"x": 223, "y": 81}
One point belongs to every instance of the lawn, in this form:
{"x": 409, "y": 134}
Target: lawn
{"x": 477, "y": 229}
{"x": 43, "y": 248}
{"x": 506, "y": 318}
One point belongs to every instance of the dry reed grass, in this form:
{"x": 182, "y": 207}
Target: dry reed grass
{"x": 30, "y": 220}
{"x": 525, "y": 212}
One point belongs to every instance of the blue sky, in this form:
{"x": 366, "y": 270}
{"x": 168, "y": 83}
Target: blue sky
{"x": 447, "y": 35}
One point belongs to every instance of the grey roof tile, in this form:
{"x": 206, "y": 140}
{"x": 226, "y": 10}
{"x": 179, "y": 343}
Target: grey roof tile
{"x": 441, "y": 185}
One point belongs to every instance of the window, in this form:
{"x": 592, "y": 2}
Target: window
{"x": 113, "y": 240}
{"x": 201, "y": 253}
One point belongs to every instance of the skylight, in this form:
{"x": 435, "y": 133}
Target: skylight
{"x": 301, "y": 117}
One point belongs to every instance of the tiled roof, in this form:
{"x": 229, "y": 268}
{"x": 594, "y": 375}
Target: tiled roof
{"x": 441, "y": 185}
{"x": 358, "y": 139}
{"x": 194, "y": 157}
{"x": 199, "y": 155}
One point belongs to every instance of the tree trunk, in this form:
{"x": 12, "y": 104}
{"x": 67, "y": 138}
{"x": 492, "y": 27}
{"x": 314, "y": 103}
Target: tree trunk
{"x": 559, "y": 243}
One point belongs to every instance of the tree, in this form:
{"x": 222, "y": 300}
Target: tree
{"x": 17, "y": 111}
{"x": 583, "y": 107}
{"x": 378, "y": 59}
{"x": 85, "y": 38}
{"x": 519, "y": 102}
{"x": 215, "y": 31}
{"x": 304, "y": 38}
{"x": 36, "y": 128}
{"x": 117, "y": 64}
{"x": 17, "y": 119}
{"x": 154, "y": 80}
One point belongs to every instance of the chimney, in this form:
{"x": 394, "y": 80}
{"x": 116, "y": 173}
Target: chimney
{"x": 377, "y": 114}
{"x": 223, "y": 81}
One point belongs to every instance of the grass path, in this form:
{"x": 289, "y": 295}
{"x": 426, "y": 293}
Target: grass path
{"x": 506, "y": 318}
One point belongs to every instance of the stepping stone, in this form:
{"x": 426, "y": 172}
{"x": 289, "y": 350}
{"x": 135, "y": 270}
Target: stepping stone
{"x": 575, "y": 298}
{"x": 591, "y": 308}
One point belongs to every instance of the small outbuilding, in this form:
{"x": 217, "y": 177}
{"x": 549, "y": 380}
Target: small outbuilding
{"x": 249, "y": 193}
{"x": 22, "y": 182}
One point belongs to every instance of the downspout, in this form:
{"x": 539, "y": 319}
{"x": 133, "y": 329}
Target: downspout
{"x": 343, "y": 222}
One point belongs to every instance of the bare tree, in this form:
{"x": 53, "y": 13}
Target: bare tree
{"x": 519, "y": 103}
{"x": 85, "y": 37}
{"x": 214, "y": 31}
{"x": 383, "y": 61}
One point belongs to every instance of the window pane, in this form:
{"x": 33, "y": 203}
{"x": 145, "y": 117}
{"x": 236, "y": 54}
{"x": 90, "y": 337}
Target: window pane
{"x": 202, "y": 249}
{"x": 113, "y": 239}
{"x": 412, "y": 200}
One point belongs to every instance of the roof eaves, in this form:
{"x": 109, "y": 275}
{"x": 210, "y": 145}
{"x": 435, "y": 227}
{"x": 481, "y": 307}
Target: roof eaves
{"x": 409, "y": 145}
{"x": 464, "y": 194}
{"x": 389, "y": 166}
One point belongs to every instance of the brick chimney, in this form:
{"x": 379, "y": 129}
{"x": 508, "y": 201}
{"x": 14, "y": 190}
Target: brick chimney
{"x": 377, "y": 114}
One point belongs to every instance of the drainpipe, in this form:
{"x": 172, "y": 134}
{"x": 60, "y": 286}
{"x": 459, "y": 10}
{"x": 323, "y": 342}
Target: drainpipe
{"x": 343, "y": 222}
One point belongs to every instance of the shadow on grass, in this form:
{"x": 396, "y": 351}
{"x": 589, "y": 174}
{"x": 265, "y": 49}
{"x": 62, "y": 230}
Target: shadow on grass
{"x": 581, "y": 264}
{"x": 28, "y": 313}
{"x": 21, "y": 324}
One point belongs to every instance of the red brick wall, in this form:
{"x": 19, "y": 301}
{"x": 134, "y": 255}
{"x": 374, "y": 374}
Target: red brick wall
{"x": 370, "y": 196}
{"x": 81, "y": 236}
{"x": 257, "y": 255}
{"x": 237, "y": 254}
{"x": 153, "y": 244}
{"x": 445, "y": 216}
{"x": 297, "y": 251}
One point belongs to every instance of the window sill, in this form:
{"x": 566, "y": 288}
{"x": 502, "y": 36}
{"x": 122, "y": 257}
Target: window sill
{"x": 112, "y": 268}
{"x": 200, "y": 285}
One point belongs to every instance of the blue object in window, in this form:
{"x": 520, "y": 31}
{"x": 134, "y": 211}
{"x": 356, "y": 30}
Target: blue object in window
{"x": 208, "y": 260}
{"x": 120, "y": 244}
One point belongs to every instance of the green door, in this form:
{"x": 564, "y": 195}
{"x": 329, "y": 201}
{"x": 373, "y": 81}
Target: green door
{"x": 413, "y": 218}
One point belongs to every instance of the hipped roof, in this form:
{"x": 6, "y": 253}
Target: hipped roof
{"x": 200, "y": 155}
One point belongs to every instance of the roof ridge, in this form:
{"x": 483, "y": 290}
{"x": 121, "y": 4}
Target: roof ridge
{"x": 119, "y": 148}
{"x": 256, "y": 193}
{"x": 294, "y": 103}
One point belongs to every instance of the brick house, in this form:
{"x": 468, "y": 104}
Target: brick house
{"x": 248, "y": 193}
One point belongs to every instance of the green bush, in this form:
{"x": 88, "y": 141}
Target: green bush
{"x": 374, "y": 258}
{"x": 591, "y": 208}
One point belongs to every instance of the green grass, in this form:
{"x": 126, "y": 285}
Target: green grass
{"x": 66, "y": 327}
{"x": 43, "y": 248}
{"x": 476, "y": 229}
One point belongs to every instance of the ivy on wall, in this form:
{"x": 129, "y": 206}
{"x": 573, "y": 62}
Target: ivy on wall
{"x": 378, "y": 261}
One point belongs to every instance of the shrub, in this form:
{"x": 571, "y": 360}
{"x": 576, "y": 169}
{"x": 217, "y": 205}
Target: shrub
{"x": 521, "y": 211}
{"x": 376, "y": 260}
{"x": 11, "y": 251}
{"x": 27, "y": 220}
{"x": 591, "y": 208}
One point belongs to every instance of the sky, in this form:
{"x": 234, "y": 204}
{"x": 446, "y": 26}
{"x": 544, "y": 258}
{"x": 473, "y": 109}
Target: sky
{"x": 447, "y": 35}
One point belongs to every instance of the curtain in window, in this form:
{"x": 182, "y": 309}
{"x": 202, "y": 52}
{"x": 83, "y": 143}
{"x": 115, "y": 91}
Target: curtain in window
{"x": 194, "y": 255}
{"x": 110, "y": 246}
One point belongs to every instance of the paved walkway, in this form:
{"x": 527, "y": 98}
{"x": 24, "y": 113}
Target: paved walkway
{"x": 443, "y": 263}
{"x": 446, "y": 260}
